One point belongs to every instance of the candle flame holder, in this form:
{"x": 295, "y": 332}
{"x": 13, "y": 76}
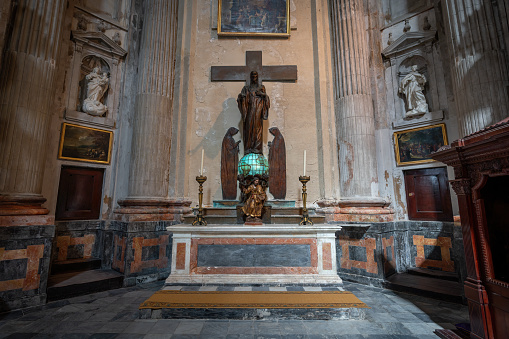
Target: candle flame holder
{"x": 305, "y": 215}
{"x": 199, "y": 220}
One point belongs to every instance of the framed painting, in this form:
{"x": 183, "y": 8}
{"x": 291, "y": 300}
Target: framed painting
{"x": 253, "y": 18}
{"x": 87, "y": 144}
{"x": 414, "y": 146}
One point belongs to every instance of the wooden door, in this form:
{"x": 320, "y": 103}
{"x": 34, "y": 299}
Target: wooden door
{"x": 79, "y": 193}
{"x": 428, "y": 196}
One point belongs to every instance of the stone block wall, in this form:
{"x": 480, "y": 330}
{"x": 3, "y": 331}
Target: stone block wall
{"x": 24, "y": 265}
{"x": 369, "y": 253}
{"x": 140, "y": 250}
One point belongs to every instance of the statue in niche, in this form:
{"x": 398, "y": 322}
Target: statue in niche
{"x": 277, "y": 164}
{"x": 229, "y": 164}
{"x": 97, "y": 85}
{"x": 256, "y": 196}
{"x": 412, "y": 86}
{"x": 254, "y": 104}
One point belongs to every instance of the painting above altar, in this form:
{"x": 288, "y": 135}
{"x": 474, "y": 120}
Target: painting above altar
{"x": 252, "y": 18}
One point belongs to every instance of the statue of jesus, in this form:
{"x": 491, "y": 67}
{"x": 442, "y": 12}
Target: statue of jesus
{"x": 254, "y": 104}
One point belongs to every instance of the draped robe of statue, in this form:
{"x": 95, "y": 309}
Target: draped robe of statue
{"x": 277, "y": 164}
{"x": 229, "y": 163}
{"x": 254, "y": 106}
{"x": 412, "y": 87}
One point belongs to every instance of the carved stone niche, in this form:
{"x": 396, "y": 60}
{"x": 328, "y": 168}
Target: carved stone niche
{"x": 414, "y": 48}
{"x": 94, "y": 52}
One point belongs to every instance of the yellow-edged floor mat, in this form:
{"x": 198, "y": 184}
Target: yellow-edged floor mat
{"x": 252, "y": 299}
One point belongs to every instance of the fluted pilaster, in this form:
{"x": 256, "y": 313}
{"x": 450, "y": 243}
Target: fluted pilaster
{"x": 479, "y": 71}
{"x": 354, "y": 106}
{"x": 152, "y": 118}
{"x": 26, "y": 96}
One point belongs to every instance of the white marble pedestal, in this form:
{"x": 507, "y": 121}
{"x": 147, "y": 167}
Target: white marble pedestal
{"x": 268, "y": 254}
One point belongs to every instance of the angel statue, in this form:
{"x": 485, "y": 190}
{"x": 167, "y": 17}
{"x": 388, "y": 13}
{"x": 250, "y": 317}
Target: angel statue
{"x": 96, "y": 87}
{"x": 412, "y": 87}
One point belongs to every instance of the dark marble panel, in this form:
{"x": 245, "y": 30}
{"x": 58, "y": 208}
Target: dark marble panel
{"x": 432, "y": 252}
{"x": 13, "y": 269}
{"x": 357, "y": 253}
{"x": 254, "y": 255}
{"x": 75, "y": 251}
{"x": 150, "y": 253}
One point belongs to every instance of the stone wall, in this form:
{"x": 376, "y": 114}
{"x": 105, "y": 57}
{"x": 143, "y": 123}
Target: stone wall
{"x": 369, "y": 253}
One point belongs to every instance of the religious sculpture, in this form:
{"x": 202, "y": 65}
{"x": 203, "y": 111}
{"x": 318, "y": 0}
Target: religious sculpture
{"x": 412, "y": 87}
{"x": 97, "y": 84}
{"x": 256, "y": 196}
{"x": 229, "y": 163}
{"x": 254, "y": 104}
{"x": 277, "y": 164}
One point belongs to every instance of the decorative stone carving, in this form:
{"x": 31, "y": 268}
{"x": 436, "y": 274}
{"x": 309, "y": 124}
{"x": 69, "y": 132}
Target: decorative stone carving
{"x": 97, "y": 84}
{"x": 412, "y": 87}
{"x": 94, "y": 94}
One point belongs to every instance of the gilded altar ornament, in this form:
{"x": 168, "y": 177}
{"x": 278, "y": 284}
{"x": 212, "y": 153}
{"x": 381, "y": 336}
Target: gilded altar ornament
{"x": 256, "y": 196}
{"x": 200, "y": 220}
{"x": 305, "y": 220}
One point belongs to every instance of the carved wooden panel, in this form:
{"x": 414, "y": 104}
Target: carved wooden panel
{"x": 428, "y": 195}
{"x": 79, "y": 193}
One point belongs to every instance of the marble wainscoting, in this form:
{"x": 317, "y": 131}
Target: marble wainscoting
{"x": 268, "y": 254}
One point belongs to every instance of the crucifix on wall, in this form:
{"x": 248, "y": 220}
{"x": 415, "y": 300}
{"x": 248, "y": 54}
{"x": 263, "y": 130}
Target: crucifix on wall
{"x": 254, "y": 103}
{"x": 281, "y": 73}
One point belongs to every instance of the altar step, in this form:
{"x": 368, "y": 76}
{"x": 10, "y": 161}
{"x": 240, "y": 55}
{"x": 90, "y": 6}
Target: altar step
{"x": 228, "y": 215}
{"x": 77, "y": 277}
{"x": 428, "y": 283}
{"x": 292, "y": 302}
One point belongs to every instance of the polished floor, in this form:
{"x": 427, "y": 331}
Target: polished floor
{"x": 114, "y": 314}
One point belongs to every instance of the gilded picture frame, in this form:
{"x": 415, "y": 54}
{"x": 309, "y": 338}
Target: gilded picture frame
{"x": 253, "y": 18}
{"x": 414, "y": 146}
{"x": 80, "y": 143}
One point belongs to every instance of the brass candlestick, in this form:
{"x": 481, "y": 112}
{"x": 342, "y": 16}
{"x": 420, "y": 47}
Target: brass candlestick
{"x": 199, "y": 220}
{"x": 305, "y": 216}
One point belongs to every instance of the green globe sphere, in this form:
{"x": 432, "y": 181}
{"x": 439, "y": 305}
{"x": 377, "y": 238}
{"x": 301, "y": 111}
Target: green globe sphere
{"x": 252, "y": 164}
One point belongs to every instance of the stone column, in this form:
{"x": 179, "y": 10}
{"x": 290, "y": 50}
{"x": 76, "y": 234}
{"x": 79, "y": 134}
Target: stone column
{"x": 149, "y": 168}
{"x": 354, "y": 115}
{"x": 26, "y": 96}
{"x": 480, "y": 78}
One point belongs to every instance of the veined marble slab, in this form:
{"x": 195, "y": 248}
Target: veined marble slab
{"x": 314, "y": 244}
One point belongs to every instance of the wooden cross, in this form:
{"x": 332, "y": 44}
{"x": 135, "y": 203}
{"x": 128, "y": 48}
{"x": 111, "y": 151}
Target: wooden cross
{"x": 254, "y": 63}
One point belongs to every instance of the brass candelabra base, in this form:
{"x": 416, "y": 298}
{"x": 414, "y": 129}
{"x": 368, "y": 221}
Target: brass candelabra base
{"x": 200, "y": 220}
{"x": 305, "y": 215}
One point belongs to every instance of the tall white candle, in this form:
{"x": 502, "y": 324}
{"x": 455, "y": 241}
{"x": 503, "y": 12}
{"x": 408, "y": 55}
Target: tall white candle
{"x": 304, "y": 163}
{"x": 201, "y": 167}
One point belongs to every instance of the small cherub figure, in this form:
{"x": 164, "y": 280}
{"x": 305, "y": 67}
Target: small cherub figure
{"x": 254, "y": 204}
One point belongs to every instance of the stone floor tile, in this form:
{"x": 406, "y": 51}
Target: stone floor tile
{"x": 395, "y": 328}
{"x": 164, "y": 326}
{"x": 317, "y": 327}
{"x": 263, "y": 328}
{"x": 277, "y": 288}
{"x": 243, "y": 288}
{"x": 21, "y": 335}
{"x": 261, "y": 288}
{"x": 103, "y": 335}
{"x": 405, "y": 317}
{"x": 189, "y": 327}
{"x": 129, "y": 336}
{"x": 295, "y": 288}
{"x": 157, "y": 336}
{"x": 420, "y": 328}
{"x": 190, "y": 288}
{"x": 184, "y": 336}
{"x": 172, "y": 288}
{"x": 215, "y": 328}
{"x": 114, "y": 327}
{"x": 225, "y": 288}
{"x": 240, "y": 336}
{"x": 312, "y": 288}
{"x": 208, "y": 288}
{"x": 292, "y": 327}
{"x": 241, "y": 327}
{"x": 139, "y": 327}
